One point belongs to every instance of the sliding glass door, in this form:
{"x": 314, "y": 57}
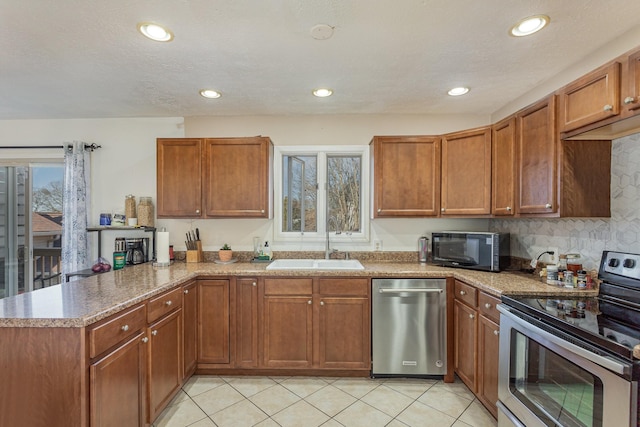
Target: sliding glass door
{"x": 30, "y": 227}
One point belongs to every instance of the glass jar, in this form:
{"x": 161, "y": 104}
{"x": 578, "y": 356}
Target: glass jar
{"x": 552, "y": 275}
{"x": 145, "y": 212}
{"x": 130, "y": 206}
{"x": 574, "y": 263}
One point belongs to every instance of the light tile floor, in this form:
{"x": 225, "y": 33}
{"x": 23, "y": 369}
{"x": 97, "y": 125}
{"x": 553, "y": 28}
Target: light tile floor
{"x": 208, "y": 401}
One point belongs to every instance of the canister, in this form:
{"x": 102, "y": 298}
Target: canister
{"x": 119, "y": 260}
{"x": 423, "y": 246}
{"x": 552, "y": 275}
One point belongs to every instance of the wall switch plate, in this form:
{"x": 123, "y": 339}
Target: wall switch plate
{"x": 377, "y": 245}
{"x": 553, "y": 259}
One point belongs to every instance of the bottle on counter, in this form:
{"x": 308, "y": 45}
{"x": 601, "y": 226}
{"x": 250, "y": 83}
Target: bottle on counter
{"x": 552, "y": 275}
{"x": 266, "y": 250}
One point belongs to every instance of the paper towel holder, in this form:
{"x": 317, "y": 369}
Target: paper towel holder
{"x": 162, "y": 263}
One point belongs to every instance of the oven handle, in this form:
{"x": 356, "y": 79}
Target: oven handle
{"x": 605, "y": 362}
{"x": 410, "y": 290}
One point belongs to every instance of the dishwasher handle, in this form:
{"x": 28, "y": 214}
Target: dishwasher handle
{"x": 410, "y": 290}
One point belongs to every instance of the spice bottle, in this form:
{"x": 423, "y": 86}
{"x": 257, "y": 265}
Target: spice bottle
{"x": 130, "y": 206}
{"x": 145, "y": 212}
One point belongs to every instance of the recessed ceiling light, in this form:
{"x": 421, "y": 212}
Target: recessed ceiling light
{"x": 210, "y": 93}
{"x": 457, "y": 91}
{"x": 322, "y": 92}
{"x": 155, "y": 32}
{"x": 529, "y": 25}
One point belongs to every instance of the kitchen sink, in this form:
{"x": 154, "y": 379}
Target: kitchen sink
{"x": 315, "y": 264}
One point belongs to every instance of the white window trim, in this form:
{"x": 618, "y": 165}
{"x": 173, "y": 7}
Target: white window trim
{"x": 313, "y": 238}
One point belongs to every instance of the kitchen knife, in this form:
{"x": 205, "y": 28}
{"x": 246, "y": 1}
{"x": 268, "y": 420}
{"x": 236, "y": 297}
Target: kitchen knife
{"x": 197, "y": 234}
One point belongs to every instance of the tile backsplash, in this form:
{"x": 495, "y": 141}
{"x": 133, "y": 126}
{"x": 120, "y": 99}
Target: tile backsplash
{"x": 589, "y": 237}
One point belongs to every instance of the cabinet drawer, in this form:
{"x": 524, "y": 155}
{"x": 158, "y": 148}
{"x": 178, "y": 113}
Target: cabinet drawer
{"x": 163, "y": 304}
{"x": 487, "y": 305}
{"x": 359, "y": 287}
{"x": 288, "y": 286}
{"x": 466, "y": 293}
{"x": 104, "y": 336}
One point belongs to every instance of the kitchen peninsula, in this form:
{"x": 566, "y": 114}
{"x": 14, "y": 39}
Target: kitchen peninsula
{"x": 64, "y": 347}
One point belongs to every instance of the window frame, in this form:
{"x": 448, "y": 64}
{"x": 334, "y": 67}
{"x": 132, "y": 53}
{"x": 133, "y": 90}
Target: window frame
{"x": 322, "y": 152}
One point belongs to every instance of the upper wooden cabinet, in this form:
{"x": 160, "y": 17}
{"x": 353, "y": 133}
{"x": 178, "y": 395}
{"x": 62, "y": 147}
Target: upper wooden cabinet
{"x": 179, "y": 178}
{"x": 466, "y": 172}
{"x": 237, "y": 177}
{"x": 214, "y": 177}
{"x": 591, "y": 98}
{"x": 406, "y": 176}
{"x": 631, "y": 99}
{"x": 503, "y": 169}
{"x": 537, "y": 158}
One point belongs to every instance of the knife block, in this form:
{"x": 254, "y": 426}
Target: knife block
{"x": 195, "y": 255}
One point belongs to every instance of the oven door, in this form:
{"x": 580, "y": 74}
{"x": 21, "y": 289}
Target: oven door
{"x": 544, "y": 380}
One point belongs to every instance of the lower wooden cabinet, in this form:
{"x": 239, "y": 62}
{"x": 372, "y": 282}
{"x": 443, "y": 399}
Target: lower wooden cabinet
{"x": 246, "y": 354}
{"x": 165, "y": 361}
{"x": 287, "y": 323}
{"x": 488, "y": 343}
{"x": 118, "y": 385}
{"x": 189, "y": 328}
{"x": 213, "y": 321}
{"x": 465, "y": 356}
{"x": 477, "y": 337}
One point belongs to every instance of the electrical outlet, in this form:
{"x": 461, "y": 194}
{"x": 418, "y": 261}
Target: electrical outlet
{"x": 377, "y": 245}
{"x": 555, "y": 257}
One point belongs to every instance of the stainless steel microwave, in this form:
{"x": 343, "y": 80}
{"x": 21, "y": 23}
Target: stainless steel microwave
{"x": 471, "y": 249}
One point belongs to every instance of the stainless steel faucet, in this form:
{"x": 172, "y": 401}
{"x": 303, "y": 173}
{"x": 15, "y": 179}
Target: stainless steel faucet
{"x": 327, "y": 250}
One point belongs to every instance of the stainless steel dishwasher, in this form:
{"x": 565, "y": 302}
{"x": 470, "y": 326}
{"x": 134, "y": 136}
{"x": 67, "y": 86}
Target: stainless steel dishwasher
{"x": 409, "y": 318}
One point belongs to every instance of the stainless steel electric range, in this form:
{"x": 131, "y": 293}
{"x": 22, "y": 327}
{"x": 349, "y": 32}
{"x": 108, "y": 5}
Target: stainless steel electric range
{"x": 569, "y": 361}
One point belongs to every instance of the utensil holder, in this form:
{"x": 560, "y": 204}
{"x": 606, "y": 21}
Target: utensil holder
{"x": 195, "y": 255}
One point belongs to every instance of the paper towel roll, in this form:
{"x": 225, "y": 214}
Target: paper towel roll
{"x": 163, "y": 247}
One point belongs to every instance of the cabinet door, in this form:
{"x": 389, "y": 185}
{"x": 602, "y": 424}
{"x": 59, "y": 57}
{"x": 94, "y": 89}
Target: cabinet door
{"x": 632, "y": 97}
{"x": 165, "y": 361}
{"x": 406, "y": 176}
{"x": 117, "y": 396}
{"x": 537, "y": 158}
{"x": 247, "y": 322}
{"x": 288, "y": 331}
{"x": 466, "y": 173}
{"x": 213, "y": 324}
{"x": 503, "y": 182}
{"x": 465, "y": 356}
{"x": 345, "y": 333}
{"x": 190, "y": 328}
{"x": 237, "y": 177}
{"x": 179, "y": 177}
{"x": 488, "y": 344}
{"x": 593, "y": 97}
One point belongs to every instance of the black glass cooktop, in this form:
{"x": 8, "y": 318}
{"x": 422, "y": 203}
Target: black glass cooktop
{"x": 598, "y": 322}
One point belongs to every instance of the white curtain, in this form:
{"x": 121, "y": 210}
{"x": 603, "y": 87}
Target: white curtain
{"x": 75, "y": 208}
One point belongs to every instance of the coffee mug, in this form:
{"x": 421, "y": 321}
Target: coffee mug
{"x": 133, "y": 222}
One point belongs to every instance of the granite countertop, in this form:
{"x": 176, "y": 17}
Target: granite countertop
{"x": 83, "y": 302}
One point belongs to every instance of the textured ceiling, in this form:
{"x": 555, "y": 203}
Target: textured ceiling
{"x": 85, "y": 58}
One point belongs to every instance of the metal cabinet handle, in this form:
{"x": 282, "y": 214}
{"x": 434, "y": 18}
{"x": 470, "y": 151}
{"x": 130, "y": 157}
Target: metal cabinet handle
{"x": 197, "y": 211}
{"x": 154, "y": 332}
{"x": 471, "y": 316}
{"x": 262, "y": 211}
{"x": 548, "y": 206}
{"x": 496, "y": 332}
{"x": 145, "y": 340}
{"x": 309, "y": 302}
{"x": 629, "y": 100}
{"x": 487, "y": 305}
{"x": 442, "y": 209}
{"x": 125, "y": 328}
{"x": 509, "y": 208}
{"x": 168, "y": 303}
{"x": 186, "y": 291}
{"x": 321, "y": 302}
{"x": 253, "y": 284}
{"x": 463, "y": 292}
{"x": 379, "y": 210}
{"x": 608, "y": 107}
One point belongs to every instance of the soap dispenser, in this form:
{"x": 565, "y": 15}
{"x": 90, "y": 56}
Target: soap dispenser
{"x": 267, "y": 250}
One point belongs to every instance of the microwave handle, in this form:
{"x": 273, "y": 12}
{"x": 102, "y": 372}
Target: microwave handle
{"x": 605, "y": 362}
